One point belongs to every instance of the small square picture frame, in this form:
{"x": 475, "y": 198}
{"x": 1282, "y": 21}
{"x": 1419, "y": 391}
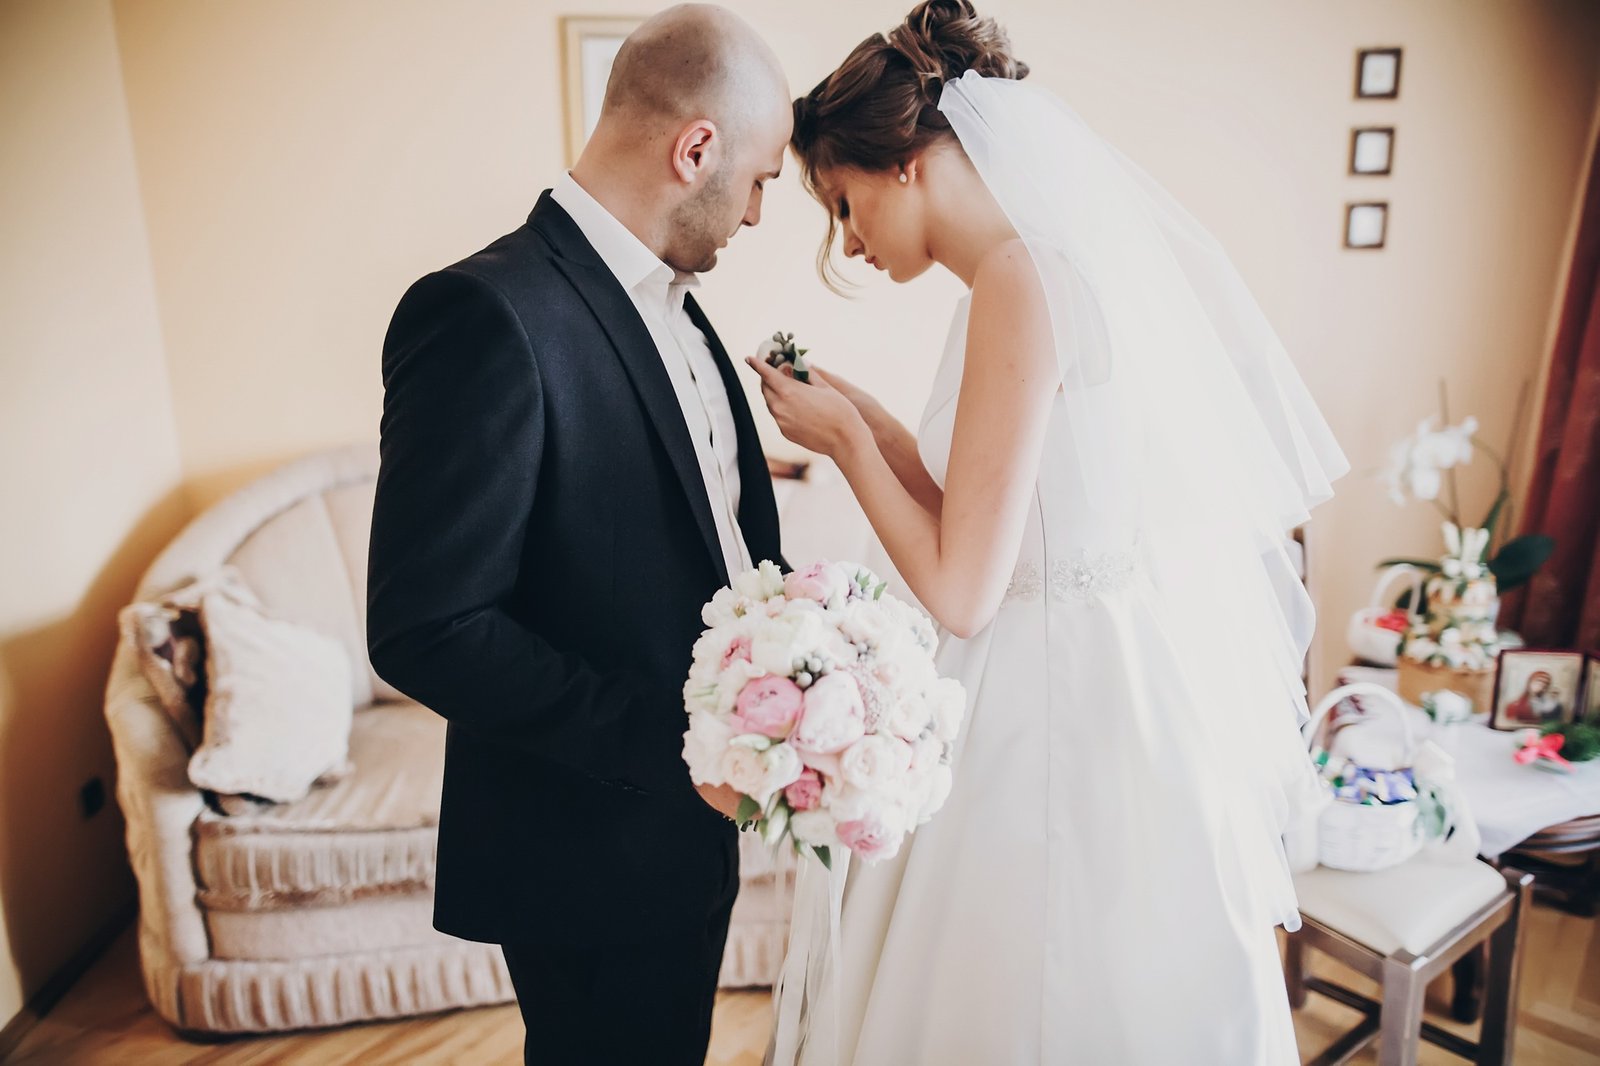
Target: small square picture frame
{"x": 1378, "y": 74}
{"x": 1366, "y": 225}
{"x": 1371, "y": 150}
{"x": 1591, "y": 687}
{"x": 1536, "y": 687}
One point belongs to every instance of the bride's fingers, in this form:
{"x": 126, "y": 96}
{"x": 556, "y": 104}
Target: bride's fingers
{"x": 771, "y": 376}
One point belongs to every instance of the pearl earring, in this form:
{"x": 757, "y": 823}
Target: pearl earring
{"x": 903, "y": 178}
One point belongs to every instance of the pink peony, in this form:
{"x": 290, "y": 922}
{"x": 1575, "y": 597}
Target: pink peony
{"x": 869, "y": 838}
{"x": 806, "y": 792}
{"x": 738, "y": 651}
{"x": 822, "y": 582}
{"x": 768, "y": 705}
{"x": 834, "y": 717}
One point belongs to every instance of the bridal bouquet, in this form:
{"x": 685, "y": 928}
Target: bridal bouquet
{"x": 814, "y": 695}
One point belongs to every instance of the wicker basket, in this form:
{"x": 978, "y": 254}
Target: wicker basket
{"x": 1371, "y": 642}
{"x": 1417, "y": 678}
{"x": 1366, "y": 837}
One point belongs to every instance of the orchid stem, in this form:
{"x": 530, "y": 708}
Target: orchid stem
{"x": 1455, "y": 496}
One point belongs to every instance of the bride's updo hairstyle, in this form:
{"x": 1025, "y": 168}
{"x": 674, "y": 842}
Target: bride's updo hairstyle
{"x": 881, "y": 107}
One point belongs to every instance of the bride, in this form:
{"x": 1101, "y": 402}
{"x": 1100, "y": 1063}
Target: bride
{"x": 1096, "y": 511}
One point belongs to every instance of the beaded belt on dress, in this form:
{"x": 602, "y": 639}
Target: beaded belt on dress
{"x": 1083, "y": 578}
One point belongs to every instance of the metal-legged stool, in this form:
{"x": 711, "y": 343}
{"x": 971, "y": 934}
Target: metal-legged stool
{"x": 1402, "y": 927}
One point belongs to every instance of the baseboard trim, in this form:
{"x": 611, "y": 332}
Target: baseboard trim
{"x": 61, "y": 982}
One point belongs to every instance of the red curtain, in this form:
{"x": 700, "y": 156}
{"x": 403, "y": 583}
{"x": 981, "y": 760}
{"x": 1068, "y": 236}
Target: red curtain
{"x": 1560, "y": 607}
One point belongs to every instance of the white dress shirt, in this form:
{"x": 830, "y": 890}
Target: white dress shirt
{"x": 658, "y": 292}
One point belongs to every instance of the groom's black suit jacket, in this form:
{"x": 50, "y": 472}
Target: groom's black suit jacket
{"x": 542, "y": 545}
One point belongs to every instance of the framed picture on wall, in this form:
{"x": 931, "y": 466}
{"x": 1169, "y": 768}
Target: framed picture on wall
{"x": 1378, "y": 74}
{"x": 1535, "y": 687}
{"x": 1372, "y": 150}
{"x": 589, "y": 46}
{"x": 1365, "y": 225}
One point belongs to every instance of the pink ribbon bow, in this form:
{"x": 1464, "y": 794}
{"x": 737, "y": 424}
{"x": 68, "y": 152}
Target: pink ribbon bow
{"x": 1537, "y": 747}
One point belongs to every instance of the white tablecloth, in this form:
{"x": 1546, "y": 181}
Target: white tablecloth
{"x": 1510, "y": 802}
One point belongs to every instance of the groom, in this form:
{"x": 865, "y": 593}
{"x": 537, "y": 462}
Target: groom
{"x": 569, "y": 471}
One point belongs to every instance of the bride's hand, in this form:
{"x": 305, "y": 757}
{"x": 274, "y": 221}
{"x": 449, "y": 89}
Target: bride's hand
{"x": 862, "y": 400}
{"x": 815, "y": 415}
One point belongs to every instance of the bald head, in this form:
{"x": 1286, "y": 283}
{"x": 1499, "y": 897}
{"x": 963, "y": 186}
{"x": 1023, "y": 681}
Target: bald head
{"x": 695, "y": 123}
{"x": 693, "y": 61}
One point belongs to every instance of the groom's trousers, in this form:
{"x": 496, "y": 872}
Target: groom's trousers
{"x": 625, "y": 1005}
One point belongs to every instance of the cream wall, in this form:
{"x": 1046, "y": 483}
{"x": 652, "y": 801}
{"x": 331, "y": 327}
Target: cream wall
{"x": 89, "y": 470}
{"x": 303, "y": 161}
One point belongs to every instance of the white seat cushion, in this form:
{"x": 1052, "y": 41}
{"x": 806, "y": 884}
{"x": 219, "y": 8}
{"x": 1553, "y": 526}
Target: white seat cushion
{"x": 1408, "y": 906}
{"x": 373, "y": 833}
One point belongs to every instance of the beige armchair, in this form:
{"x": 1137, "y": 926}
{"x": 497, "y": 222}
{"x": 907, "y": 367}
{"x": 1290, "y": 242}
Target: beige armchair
{"x": 319, "y": 912}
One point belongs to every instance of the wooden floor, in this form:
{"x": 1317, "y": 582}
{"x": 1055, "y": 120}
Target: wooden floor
{"x": 105, "y": 1020}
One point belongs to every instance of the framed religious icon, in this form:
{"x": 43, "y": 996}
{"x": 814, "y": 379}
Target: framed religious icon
{"x": 1365, "y": 225}
{"x": 1372, "y": 150}
{"x": 1378, "y": 74}
{"x": 1536, "y": 687}
{"x": 589, "y": 46}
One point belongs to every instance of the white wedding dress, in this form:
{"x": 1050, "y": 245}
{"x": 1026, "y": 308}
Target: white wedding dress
{"x": 1074, "y": 901}
{"x": 1102, "y": 885}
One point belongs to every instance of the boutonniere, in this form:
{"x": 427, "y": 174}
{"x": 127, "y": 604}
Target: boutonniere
{"x": 780, "y": 349}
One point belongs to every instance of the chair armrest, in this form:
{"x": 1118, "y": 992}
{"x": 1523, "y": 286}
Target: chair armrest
{"x": 160, "y": 807}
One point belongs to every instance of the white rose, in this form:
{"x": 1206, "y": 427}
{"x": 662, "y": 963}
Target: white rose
{"x": 865, "y": 623}
{"x": 723, "y": 608}
{"x": 704, "y": 747}
{"x": 814, "y": 828}
{"x": 901, "y": 665}
{"x": 875, "y": 763}
{"x": 834, "y": 717}
{"x": 795, "y": 635}
{"x": 759, "y": 774}
{"x": 935, "y": 791}
{"x": 949, "y": 702}
{"x": 908, "y": 717}
{"x": 913, "y": 621}
{"x": 868, "y": 823}
{"x": 700, "y": 697}
{"x": 762, "y": 583}
{"x": 1447, "y": 705}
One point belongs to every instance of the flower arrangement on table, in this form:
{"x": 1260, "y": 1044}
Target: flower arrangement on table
{"x": 1450, "y": 640}
{"x": 1558, "y": 745}
{"x": 814, "y": 695}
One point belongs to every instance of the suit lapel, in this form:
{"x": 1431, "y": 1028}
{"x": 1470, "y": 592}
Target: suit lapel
{"x": 758, "y": 513}
{"x": 612, "y": 308}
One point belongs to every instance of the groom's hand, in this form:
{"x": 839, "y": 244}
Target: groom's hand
{"x": 724, "y": 799}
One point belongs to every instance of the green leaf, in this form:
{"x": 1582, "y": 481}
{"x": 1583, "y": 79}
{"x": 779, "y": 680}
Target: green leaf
{"x": 1430, "y": 565}
{"x": 1499, "y": 507}
{"x": 825, "y": 857}
{"x": 877, "y": 592}
{"x": 748, "y": 809}
{"x": 1583, "y": 739}
{"x": 1519, "y": 559}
